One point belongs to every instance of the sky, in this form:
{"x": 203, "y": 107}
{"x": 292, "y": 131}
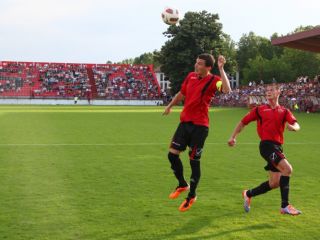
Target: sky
{"x": 95, "y": 31}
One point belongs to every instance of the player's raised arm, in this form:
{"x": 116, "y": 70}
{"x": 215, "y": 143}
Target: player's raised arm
{"x": 225, "y": 81}
{"x": 176, "y": 100}
{"x": 236, "y": 131}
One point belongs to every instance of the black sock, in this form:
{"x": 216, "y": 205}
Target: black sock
{"x": 195, "y": 177}
{"x": 177, "y": 167}
{"x": 263, "y": 188}
{"x": 284, "y": 188}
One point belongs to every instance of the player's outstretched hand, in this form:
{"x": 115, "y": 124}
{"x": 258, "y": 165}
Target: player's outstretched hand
{"x": 167, "y": 111}
{"x": 289, "y": 127}
{"x": 232, "y": 142}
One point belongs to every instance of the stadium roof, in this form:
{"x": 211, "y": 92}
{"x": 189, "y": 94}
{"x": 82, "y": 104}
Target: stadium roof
{"x": 307, "y": 40}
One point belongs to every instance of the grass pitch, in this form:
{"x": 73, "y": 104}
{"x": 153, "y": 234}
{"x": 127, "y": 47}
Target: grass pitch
{"x": 73, "y": 172}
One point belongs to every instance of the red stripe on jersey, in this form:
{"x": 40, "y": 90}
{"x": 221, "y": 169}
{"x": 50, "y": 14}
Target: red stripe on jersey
{"x": 197, "y": 101}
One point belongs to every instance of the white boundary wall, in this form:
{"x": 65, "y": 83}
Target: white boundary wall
{"x": 81, "y": 102}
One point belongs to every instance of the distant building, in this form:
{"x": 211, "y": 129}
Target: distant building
{"x": 234, "y": 80}
{"x": 162, "y": 80}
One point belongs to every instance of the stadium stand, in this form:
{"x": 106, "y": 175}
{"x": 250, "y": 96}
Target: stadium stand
{"x": 304, "y": 93}
{"x": 64, "y": 80}
{"x": 126, "y": 82}
{"x": 67, "y": 80}
{"x": 17, "y": 79}
{"x": 45, "y": 80}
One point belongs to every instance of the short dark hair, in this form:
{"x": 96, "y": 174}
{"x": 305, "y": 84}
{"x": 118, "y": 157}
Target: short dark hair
{"x": 276, "y": 86}
{"x": 208, "y": 58}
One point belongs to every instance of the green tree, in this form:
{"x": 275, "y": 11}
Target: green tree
{"x": 250, "y": 46}
{"x": 126, "y": 61}
{"x": 277, "y": 50}
{"x": 303, "y": 28}
{"x": 147, "y": 58}
{"x": 278, "y": 69}
{"x": 198, "y": 32}
{"x": 255, "y": 70}
{"x": 302, "y": 63}
{"x": 228, "y": 49}
{"x": 263, "y": 69}
{"x": 247, "y": 49}
{"x": 258, "y": 59}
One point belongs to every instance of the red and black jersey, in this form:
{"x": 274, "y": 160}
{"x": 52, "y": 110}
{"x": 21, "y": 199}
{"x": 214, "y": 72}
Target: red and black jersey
{"x": 270, "y": 121}
{"x": 198, "y": 94}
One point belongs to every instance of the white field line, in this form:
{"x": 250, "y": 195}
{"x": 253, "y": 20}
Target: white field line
{"x": 133, "y": 144}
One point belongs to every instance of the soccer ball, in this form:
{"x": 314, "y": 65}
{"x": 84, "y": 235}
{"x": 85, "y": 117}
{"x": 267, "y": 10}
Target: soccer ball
{"x": 170, "y": 16}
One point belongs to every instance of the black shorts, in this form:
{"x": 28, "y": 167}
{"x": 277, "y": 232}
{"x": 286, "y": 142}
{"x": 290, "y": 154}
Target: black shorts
{"x": 272, "y": 152}
{"x": 192, "y": 136}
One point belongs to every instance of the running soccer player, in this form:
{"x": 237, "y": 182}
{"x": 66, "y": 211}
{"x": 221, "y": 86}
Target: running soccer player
{"x": 197, "y": 91}
{"x": 271, "y": 120}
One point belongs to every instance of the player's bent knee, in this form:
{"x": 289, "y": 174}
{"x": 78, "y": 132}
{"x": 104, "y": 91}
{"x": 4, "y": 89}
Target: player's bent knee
{"x": 285, "y": 167}
{"x": 174, "y": 151}
{"x": 288, "y": 170}
{"x": 273, "y": 184}
{"x": 172, "y": 157}
{"x": 192, "y": 158}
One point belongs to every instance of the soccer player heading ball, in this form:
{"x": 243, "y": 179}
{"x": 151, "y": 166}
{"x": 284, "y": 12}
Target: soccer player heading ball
{"x": 271, "y": 120}
{"x": 197, "y": 91}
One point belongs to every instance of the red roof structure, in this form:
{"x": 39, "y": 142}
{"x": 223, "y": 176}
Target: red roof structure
{"x": 308, "y": 40}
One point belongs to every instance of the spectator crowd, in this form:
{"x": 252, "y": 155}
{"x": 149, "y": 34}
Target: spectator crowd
{"x": 303, "y": 95}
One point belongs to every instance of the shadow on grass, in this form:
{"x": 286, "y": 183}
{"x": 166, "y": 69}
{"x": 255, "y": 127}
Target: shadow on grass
{"x": 252, "y": 227}
{"x": 197, "y": 224}
{"x": 124, "y": 235}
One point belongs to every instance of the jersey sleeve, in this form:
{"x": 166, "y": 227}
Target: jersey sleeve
{"x": 290, "y": 118}
{"x": 251, "y": 116}
{"x": 183, "y": 89}
{"x": 217, "y": 86}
